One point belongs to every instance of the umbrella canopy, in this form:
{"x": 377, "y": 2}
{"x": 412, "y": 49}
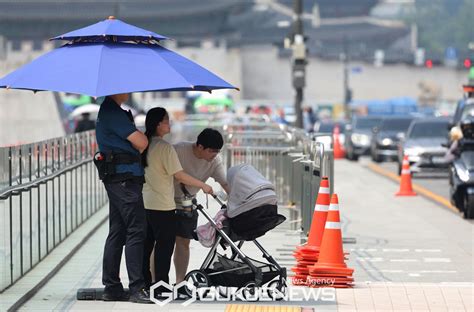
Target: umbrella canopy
{"x": 100, "y": 69}
{"x": 102, "y": 31}
{"x": 111, "y": 66}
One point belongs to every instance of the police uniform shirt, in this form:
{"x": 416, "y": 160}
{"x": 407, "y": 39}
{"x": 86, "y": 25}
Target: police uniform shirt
{"x": 112, "y": 129}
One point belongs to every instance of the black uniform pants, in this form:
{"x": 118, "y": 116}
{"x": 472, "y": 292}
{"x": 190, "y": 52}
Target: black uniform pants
{"x": 127, "y": 226}
{"x": 161, "y": 235}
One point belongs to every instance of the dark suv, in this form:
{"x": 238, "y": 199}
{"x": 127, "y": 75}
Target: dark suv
{"x": 359, "y": 135}
{"x": 386, "y": 137}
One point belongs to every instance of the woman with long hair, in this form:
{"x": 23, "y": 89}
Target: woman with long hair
{"x": 161, "y": 166}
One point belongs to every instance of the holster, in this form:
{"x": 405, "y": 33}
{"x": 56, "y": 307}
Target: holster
{"x": 106, "y": 166}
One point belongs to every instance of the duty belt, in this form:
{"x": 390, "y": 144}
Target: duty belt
{"x": 122, "y": 158}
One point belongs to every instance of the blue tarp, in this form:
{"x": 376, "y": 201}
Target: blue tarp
{"x": 393, "y": 106}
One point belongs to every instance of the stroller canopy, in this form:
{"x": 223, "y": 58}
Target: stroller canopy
{"x": 248, "y": 190}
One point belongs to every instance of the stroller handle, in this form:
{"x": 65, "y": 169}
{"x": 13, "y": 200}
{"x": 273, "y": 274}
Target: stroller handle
{"x": 194, "y": 201}
{"x": 218, "y": 199}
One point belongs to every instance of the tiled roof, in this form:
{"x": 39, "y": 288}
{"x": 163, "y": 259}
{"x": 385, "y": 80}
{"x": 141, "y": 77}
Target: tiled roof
{"x": 336, "y": 8}
{"x": 239, "y": 21}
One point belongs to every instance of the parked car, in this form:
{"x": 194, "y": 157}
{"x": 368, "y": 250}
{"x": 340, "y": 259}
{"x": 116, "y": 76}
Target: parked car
{"x": 327, "y": 126}
{"x": 423, "y": 144}
{"x": 359, "y": 135}
{"x": 386, "y": 137}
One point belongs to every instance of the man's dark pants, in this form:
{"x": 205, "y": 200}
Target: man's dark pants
{"x": 127, "y": 226}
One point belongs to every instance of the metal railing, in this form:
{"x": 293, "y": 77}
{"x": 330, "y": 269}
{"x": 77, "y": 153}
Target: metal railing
{"x": 47, "y": 189}
{"x": 291, "y": 159}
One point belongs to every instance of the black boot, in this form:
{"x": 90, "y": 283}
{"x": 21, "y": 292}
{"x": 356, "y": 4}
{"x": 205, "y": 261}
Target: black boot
{"x": 118, "y": 296}
{"x": 141, "y": 296}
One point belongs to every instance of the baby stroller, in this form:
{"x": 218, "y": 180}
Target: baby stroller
{"x": 251, "y": 212}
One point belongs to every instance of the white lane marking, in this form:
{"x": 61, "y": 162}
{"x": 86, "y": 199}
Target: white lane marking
{"x": 395, "y": 250}
{"x": 370, "y": 259}
{"x": 427, "y": 250}
{"x": 436, "y": 259}
{"x": 363, "y": 249}
{"x": 404, "y": 260}
{"x": 438, "y": 271}
{"x": 414, "y": 274}
{"x": 387, "y": 271}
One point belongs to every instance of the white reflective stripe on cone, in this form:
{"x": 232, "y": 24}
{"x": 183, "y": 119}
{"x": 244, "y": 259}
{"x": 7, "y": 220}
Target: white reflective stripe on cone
{"x": 406, "y": 171}
{"x": 319, "y": 207}
{"x": 333, "y": 225}
{"x": 334, "y": 207}
{"x": 324, "y": 190}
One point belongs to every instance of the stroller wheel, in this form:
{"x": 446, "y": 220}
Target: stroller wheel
{"x": 197, "y": 279}
{"x": 249, "y": 292}
{"x": 276, "y": 290}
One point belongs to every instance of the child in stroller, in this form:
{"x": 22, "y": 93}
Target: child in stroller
{"x": 251, "y": 211}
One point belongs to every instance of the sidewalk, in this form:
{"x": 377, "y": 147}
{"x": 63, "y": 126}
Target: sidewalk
{"x": 409, "y": 255}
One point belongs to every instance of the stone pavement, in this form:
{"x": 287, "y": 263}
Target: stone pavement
{"x": 410, "y": 254}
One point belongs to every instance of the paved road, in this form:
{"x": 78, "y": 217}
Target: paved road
{"x": 401, "y": 239}
{"x": 436, "y": 181}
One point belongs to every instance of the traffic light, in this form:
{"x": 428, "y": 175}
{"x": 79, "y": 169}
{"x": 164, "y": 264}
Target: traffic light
{"x": 467, "y": 63}
{"x": 429, "y": 63}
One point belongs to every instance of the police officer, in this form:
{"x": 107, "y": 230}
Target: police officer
{"x": 121, "y": 144}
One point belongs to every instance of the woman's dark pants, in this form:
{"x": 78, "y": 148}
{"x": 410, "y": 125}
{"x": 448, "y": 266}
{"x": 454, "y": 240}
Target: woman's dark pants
{"x": 161, "y": 234}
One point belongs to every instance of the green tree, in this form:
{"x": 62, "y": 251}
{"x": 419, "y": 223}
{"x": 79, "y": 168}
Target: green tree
{"x": 444, "y": 23}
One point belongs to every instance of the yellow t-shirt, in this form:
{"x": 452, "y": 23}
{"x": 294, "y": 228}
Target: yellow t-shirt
{"x": 163, "y": 163}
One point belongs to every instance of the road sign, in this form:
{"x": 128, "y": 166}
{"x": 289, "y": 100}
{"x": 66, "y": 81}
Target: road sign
{"x": 451, "y": 53}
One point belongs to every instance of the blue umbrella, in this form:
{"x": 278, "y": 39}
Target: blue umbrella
{"x": 110, "y": 27}
{"x": 112, "y": 67}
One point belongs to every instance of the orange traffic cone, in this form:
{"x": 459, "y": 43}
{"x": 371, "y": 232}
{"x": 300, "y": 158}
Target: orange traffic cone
{"x": 317, "y": 222}
{"x": 331, "y": 270}
{"x": 406, "y": 188}
{"x": 307, "y": 254}
{"x": 339, "y": 152}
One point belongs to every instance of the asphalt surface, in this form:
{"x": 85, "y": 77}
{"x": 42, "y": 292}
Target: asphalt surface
{"x": 435, "y": 181}
{"x": 401, "y": 239}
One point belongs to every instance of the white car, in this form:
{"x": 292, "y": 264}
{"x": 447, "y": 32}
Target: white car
{"x": 423, "y": 144}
